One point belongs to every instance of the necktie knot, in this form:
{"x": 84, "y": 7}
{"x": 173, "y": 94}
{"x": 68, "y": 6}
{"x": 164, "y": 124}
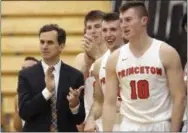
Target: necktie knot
{"x": 52, "y": 68}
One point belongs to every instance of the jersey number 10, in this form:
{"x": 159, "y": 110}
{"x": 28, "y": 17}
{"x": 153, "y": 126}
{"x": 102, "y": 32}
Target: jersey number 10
{"x": 139, "y": 89}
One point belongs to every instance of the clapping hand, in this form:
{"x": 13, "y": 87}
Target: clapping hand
{"x": 49, "y": 79}
{"x": 73, "y": 96}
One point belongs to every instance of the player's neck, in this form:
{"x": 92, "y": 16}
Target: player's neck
{"x": 118, "y": 46}
{"x": 140, "y": 41}
{"x": 140, "y": 44}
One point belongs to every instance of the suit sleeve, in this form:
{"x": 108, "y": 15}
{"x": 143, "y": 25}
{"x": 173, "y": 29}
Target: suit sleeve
{"x": 29, "y": 105}
{"x": 80, "y": 116}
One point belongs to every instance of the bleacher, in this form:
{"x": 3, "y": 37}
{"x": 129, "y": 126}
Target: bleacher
{"x": 20, "y": 23}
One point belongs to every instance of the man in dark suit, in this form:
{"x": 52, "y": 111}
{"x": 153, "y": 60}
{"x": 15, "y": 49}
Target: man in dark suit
{"x": 48, "y": 96}
{"x": 17, "y": 121}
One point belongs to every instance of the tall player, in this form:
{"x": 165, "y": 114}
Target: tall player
{"x": 184, "y": 26}
{"x": 184, "y": 128}
{"x": 150, "y": 76}
{"x": 112, "y": 36}
{"x": 94, "y": 47}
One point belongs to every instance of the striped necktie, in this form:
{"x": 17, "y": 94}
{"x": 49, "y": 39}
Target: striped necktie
{"x": 53, "y": 126}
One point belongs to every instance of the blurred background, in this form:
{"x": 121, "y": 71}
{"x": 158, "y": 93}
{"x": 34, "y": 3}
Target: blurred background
{"x": 21, "y": 21}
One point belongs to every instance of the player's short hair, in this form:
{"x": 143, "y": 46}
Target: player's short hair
{"x": 184, "y": 20}
{"x": 61, "y": 34}
{"x": 31, "y": 58}
{"x": 112, "y": 16}
{"x": 138, "y": 5}
{"x": 94, "y": 15}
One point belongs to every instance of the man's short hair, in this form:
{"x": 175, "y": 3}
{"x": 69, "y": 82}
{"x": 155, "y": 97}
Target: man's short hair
{"x": 111, "y": 16}
{"x": 31, "y": 58}
{"x": 138, "y": 5}
{"x": 184, "y": 21}
{"x": 61, "y": 34}
{"x": 94, "y": 15}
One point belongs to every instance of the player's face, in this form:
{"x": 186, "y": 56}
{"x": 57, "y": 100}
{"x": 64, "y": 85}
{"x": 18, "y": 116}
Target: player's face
{"x": 132, "y": 24}
{"x": 49, "y": 47}
{"x": 93, "y": 28}
{"x": 111, "y": 33}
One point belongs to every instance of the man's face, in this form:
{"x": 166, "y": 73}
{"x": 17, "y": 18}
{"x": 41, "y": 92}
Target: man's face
{"x": 28, "y": 63}
{"x": 93, "y": 28}
{"x": 111, "y": 33}
{"x": 132, "y": 24}
{"x": 49, "y": 47}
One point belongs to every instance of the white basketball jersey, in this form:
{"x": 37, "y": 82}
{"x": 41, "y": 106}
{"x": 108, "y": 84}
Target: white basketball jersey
{"x": 185, "y": 72}
{"x": 144, "y": 92}
{"x": 102, "y": 73}
{"x": 88, "y": 95}
{"x": 102, "y": 78}
{"x": 185, "y": 79}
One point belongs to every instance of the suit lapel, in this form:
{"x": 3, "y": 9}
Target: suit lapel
{"x": 40, "y": 77}
{"x": 63, "y": 83}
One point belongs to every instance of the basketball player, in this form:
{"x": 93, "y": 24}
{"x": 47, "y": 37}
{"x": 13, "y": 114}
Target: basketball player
{"x": 150, "y": 76}
{"x": 111, "y": 33}
{"x": 184, "y": 128}
{"x": 184, "y": 26}
{"x": 94, "y": 48}
{"x": 92, "y": 43}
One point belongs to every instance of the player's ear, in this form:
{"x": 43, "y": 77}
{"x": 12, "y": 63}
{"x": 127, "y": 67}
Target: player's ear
{"x": 144, "y": 20}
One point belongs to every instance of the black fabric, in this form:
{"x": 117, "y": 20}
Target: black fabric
{"x": 36, "y": 111}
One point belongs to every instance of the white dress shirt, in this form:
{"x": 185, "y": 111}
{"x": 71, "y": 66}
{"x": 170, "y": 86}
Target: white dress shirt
{"x": 46, "y": 93}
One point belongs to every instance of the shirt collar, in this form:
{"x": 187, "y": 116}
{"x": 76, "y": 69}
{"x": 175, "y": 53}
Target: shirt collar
{"x": 56, "y": 66}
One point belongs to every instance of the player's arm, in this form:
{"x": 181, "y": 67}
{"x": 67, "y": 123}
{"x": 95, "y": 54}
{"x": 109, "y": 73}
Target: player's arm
{"x": 83, "y": 63}
{"x": 98, "y": 99}
{"x": 79, "y": 60}
{"x": 110, "y": 98}
{"x": 16, "y": 119}
{"x": 185, "y": 75}
{"x": 174, "y": 72}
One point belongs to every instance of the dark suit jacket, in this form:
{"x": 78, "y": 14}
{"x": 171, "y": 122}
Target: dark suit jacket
{"x": 36, "y": 111}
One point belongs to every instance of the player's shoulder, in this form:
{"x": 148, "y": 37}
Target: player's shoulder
{"x": 97, "y": 65}
{"x": 79, "y": 61}
{"x": 115, "y": 55}
{"x": 113, "y": 59}
{"x": 80, "y": 56}
{"x": 164, "y": 46}
{"x": 168, "y": 54}
{"x": 167, "y": 50}
{"x": 98, "y": 61}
